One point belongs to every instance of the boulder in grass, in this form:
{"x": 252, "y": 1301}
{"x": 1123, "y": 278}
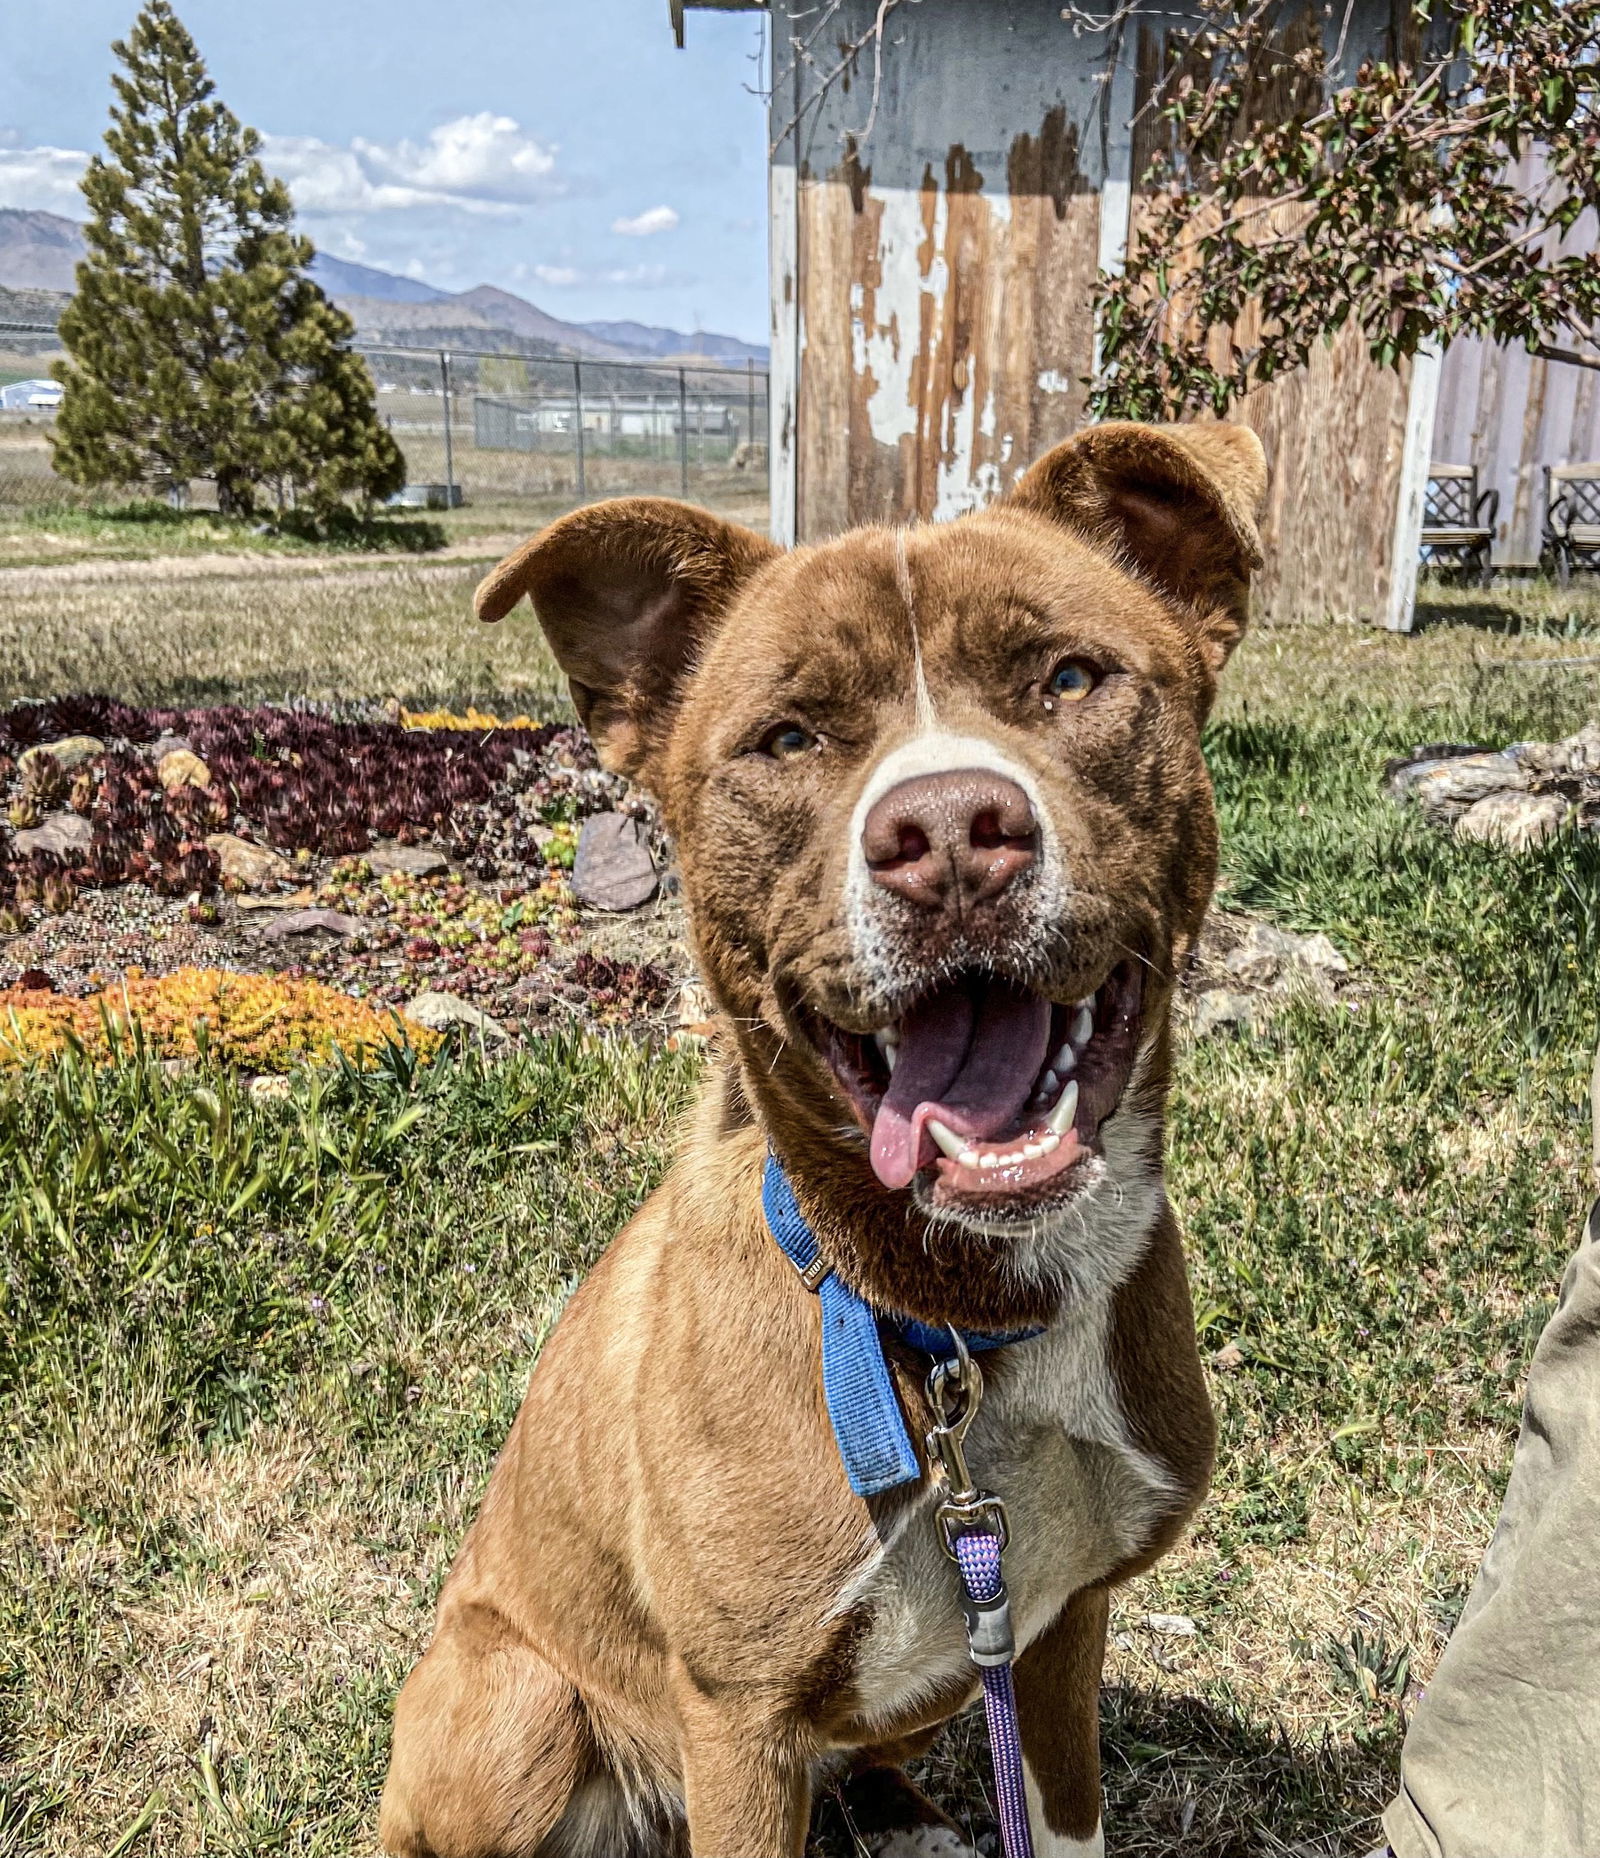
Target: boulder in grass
{"x": 1219, "y": 1010}
{"x": 1576, "y": 754}
{"x": 438, "y": 1012}
{"x": 411, "y": 860}
{"x": 1515, "y": 821}
{"x": 613, "y": 869}
{"x": 1445, "y": 789}
{"x": 246, "y": 866}
{"x": 1269, "y": 954}
{"x": 65, "y": 834}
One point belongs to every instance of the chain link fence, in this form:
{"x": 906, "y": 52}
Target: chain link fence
{"x": 494, "y": 441}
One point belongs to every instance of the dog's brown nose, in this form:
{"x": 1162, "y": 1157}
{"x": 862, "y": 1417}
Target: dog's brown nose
{"x": 949, "y": 841}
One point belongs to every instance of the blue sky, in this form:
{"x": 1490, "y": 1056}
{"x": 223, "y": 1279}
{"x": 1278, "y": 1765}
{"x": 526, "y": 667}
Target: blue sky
{"x": 567, "y": 152}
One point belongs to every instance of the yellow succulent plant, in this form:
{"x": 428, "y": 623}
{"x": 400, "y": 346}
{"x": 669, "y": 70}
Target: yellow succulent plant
{"x": 256, "y": 1022}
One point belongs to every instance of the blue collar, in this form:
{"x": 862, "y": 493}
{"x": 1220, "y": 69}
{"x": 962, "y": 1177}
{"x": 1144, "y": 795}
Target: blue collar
{"x": 867, "y": 1422}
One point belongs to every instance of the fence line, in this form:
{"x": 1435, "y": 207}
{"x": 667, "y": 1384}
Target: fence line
{"x": 495, "y": 425}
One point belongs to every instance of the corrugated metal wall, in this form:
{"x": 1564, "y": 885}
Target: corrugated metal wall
{"x": 1511, "y": 414}
{"x": 938, "y": 221}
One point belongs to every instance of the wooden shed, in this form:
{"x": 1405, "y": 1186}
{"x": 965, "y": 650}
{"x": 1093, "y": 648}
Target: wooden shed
{"x": 947, "y": 176}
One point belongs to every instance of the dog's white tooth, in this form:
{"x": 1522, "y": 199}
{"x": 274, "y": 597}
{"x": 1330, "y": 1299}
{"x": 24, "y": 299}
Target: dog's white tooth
{"x": 888, "y": 1044}
{"x": 948, "y": 1140}
{"x": 1082, "y": 1025}
{"x": 1065, "y": 1061}
{"x": 1049, "y": 1085}
{"x": 1061, "y": 1116}
{"x": 1031, "y": 1151}
{"x": 1049, "y": 1142}
{"x": 968, "y": 1158}
{"x": 989, "y": 1160}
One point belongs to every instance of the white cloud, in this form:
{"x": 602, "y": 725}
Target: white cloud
{"x": 43, "y": 179}
{"x": 653, "y": 219}
{"x": 484, "y": 157}
{"x": 476, "y": 164}
{"x": 624, "y": 277}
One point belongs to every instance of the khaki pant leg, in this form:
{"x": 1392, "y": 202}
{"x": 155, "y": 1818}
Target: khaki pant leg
{"x": 1502, "y": 1759}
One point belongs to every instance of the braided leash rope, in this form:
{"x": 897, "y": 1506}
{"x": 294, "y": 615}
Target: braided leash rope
{"x": 973, "y": 1530}
{"x": 977, "y": 1554}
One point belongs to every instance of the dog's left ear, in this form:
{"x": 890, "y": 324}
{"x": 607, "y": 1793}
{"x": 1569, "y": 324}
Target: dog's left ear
{"x": 1178, "y": 503}
{"x": 627, "y": 592}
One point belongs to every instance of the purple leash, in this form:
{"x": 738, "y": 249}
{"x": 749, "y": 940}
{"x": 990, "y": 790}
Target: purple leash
{"x": 972, "y": 1527}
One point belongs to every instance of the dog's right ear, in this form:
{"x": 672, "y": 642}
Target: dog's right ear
{"x": 627, "y": 592}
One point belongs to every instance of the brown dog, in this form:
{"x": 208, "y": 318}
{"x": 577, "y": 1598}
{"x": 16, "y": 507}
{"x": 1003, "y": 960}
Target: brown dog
{"x": 947, "y": 839}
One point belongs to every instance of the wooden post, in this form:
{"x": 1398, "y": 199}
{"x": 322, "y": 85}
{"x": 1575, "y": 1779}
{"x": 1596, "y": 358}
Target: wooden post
{"x": 1400, "y": 612}
{"x": 1116, "y": 188}
{"x": 783, "y": 371}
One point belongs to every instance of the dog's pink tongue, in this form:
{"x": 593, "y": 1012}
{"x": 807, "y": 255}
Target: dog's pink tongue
{"x": 972, "y": 1067}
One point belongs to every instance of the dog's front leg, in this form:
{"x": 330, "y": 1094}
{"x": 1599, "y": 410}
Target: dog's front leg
{"x": 1058, "y": 1712}
{"x": 746, "y": 1778}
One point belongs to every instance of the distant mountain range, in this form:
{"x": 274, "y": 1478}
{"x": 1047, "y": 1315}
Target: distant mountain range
{"x": 38, "y": 253}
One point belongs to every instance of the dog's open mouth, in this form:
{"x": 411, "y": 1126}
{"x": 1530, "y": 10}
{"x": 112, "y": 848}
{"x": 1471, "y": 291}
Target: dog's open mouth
{"x": 999, "y": 1089}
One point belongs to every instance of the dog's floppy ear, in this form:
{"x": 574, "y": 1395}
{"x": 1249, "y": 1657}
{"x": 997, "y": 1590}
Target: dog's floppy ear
{"x": 1177, "y": 503}
{"x": 627, "y": 592}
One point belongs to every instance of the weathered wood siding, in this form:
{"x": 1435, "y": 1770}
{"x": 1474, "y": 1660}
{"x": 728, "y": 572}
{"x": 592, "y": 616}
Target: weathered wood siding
{"x": 933, "y": 284}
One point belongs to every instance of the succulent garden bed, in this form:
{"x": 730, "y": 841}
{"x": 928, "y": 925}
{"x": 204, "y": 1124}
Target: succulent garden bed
{"x": 360, "y": 853}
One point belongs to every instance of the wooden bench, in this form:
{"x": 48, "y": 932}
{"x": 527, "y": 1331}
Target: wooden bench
{"x": 1572, "y": 517}
{"x": 1458, "y": 520}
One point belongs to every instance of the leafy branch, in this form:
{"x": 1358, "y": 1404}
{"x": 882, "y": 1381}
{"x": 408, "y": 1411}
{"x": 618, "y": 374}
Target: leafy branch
{"x": 1432, "y": 197}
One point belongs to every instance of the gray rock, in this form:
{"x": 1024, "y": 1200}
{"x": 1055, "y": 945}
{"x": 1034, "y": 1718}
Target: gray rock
{"x": 253, "y": 866}
{"x": 167, "y": 745}
{"x": 1577, "y": 754}
{"x": 1445, "y": 789}
{"x": 439, "y": 1011}
{"x": 1268, "y": 953}
{"x": 413, "y": 860}
{"x": 1515, "y": 821}
{"x": 1217, "y": 1009}
{"x": 69, "y": 753}
{"x": 613, "y": 869}
{"x": 182, "y": 768}
{"x": 306, "y": 922}
{"x": 65, "y": 834}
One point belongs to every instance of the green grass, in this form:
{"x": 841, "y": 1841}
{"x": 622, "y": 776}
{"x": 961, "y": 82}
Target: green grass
{"x": 250, "y": 1422}
{"x": 145, "y": 529}
{"x": 259, "y": 1357}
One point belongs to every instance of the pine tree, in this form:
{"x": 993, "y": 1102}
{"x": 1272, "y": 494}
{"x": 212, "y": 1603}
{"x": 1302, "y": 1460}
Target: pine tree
{"x": 199, "y": 346}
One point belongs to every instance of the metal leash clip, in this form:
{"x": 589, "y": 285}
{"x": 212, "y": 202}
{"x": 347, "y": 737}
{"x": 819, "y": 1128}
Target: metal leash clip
{"x": 955, "y": 1392}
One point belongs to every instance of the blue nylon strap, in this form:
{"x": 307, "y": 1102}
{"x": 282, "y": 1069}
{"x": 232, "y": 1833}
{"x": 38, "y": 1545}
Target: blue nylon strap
{"x": 867, "y": 1422}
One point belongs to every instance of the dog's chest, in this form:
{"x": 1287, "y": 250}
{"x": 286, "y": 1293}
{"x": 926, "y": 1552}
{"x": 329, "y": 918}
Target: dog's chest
{"x": 1052, "y": 1443}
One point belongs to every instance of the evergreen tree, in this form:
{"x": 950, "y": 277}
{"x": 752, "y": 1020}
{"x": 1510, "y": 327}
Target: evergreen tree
{"x": 199, "y": 346}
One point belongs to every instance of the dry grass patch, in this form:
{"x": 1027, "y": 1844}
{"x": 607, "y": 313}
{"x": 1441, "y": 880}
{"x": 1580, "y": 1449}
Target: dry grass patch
{"x": 404, "y": 631}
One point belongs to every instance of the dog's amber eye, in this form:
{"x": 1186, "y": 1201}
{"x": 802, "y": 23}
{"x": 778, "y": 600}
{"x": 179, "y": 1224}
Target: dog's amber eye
{"x": 788, "y": 739}
{"x": 1071, "y": 681}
